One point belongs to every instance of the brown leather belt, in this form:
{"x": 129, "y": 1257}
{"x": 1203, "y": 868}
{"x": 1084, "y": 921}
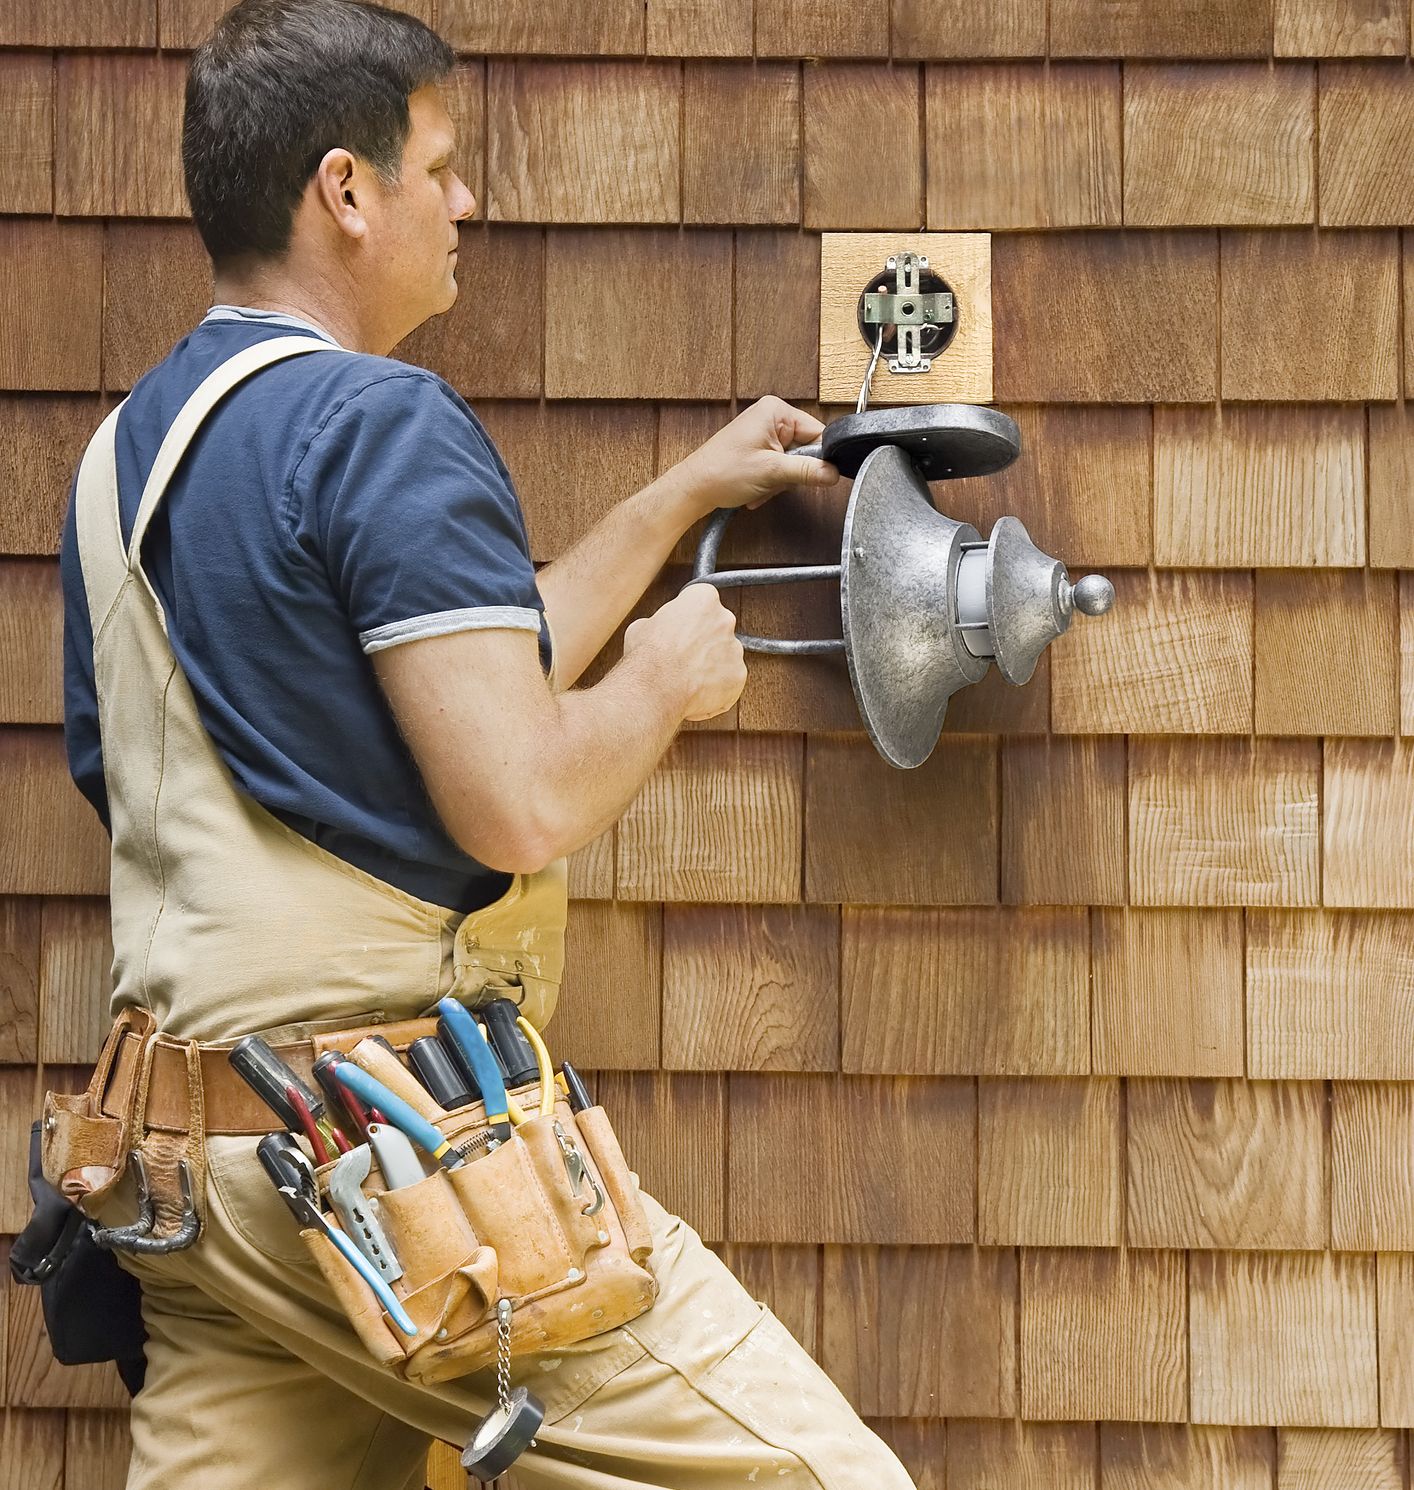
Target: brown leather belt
{"x": 230, "y": 1106}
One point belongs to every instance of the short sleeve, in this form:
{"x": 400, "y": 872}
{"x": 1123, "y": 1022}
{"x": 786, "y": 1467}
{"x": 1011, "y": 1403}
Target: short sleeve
{"x": 404, "y": 500}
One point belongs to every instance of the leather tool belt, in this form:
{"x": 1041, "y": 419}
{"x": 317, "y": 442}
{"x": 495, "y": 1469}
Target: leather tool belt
{"x": 533, "y": 1243}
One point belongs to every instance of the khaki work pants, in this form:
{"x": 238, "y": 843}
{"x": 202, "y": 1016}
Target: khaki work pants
{"x": 256, "y": 1382}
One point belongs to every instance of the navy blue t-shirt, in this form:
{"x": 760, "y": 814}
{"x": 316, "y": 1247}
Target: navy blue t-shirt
{"x": 332, "y": 505}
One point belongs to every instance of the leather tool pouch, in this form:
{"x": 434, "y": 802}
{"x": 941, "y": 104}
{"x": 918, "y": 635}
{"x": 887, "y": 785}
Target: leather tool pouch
{"x": 512, "y": 1223}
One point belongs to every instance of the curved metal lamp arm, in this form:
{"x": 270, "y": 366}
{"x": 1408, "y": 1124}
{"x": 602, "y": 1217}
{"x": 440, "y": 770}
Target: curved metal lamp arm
{"x": 705, "y": 571}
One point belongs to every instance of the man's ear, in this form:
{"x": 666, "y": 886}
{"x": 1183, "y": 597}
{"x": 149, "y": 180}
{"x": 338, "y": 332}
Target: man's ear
{"x": 338, "y": 187}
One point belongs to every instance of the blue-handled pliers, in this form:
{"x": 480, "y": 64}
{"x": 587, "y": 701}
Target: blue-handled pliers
{"x": 462, "y": 1030}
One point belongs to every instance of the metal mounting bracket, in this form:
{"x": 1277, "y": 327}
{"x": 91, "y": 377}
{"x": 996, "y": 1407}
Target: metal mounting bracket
{"x": 910, "y": 311}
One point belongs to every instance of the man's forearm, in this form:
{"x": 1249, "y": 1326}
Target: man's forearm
{"x": 591, "y": 588}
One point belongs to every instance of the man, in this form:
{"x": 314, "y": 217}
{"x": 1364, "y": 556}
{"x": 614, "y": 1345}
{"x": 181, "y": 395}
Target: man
{"x": 324, "y": 702}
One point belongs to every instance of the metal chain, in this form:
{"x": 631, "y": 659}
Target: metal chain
{"x": 503, "y": 1355}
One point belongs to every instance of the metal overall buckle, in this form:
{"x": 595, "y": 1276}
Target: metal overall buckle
{"x": 137, "y": 1237}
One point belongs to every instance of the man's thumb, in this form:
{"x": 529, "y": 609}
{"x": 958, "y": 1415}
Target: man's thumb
{"x": 807, "y": 471}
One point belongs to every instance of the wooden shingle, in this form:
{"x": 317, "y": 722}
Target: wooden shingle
{"x": 757, "y": 105}
{"x": 49, "y": 336}
{"x": 594, "y": 28}
{"x": 117, "y": 141}
{"x": 1120, "y": 342}
{"x": 1023, "y": 146}
{"x": 996, "y": 991}
{"x": 97, "y": 1447}
{"x": 1396, "y": 1305}
{"x": 1174, "y": 656}
{"x": 786, "y": 1280}
{"x": 1102, "y": 1335}
{"x": 1063, "y": 808}
{"x": 823, "y": 28}
{"x": 958, "y": 1303}
{"x": 777, "y": 287}
{"x": 1340, "y": 1459}
{"x": 186, "y": 23}
{"x": 1188, "y": 28}
{"x": 854, "y": 118}
{"x": 1283, "y": 1338}
{"x": 1166, "y": 1456}
{"x": 1368, "y": 797}
{"x": 606, "y": 338}
{"x": 1328, "y": 994}
{"x": 940, "y": 819}
{"x": 1304, "y": 621}
{"x": 1391, "y": 479}
{"x": 610, "y": 1001}
{"x": 751, "y": 988}
{"x": 26, "y": 132}
{"x": 699, "y": 28}
{"x": 1341, "y": 28}
{"x": 1226, "y": 1164}
{"x": 1224, "y": 822}
{"x": 1168, "y": 992}
{"x": 955, "y": 28}
{"x": 866, "y": 1133}
{"x": 157, "y": 285}
{"x": 1207, "y": 143}
{"x": 1267, "y": 349}
{"x": 75, "y": 979}
{"x": 1259, "y": 487}
{"x": 41, "y": 440}
{"x": 1367, "y": 113}
{"x": 1050, "y": 1163}
{"x": 720, "y": 819}
{"x": 983, "y": 1455}
{"x": 19, "y": 979}
{"x": 32, "y": 1450}
{"x": 583, "y": 142}
{"x": 1372, "y": 1166}
{"x": 47, "y": 23}
{"x": 31, "y": 642}
{"x": 53, "y": 843}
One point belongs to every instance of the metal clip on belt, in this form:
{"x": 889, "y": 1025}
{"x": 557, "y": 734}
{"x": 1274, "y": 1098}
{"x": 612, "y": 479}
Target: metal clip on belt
{"x": 137, "y": 1237}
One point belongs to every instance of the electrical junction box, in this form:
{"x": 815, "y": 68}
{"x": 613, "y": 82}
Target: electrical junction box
{"x": 940, "y": 351}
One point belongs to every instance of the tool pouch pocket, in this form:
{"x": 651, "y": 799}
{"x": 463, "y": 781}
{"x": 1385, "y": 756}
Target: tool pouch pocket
{"x": 550, "y": 1220}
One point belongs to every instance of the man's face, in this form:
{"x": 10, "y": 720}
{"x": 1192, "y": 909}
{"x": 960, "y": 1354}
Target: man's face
{"x": 413, "y": 235}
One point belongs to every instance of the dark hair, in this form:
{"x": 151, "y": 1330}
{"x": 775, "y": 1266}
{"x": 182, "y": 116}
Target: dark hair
{"x": 277, "y": 85}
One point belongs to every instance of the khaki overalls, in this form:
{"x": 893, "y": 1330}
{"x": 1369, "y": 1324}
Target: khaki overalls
{"x": 226, "y": 922}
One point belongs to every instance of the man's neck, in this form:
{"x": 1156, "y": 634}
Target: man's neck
{"x": 318, "y": 304}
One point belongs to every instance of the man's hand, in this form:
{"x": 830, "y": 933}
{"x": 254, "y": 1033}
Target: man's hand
{"x": 746, "y": 462}
{"x": 693, "y": 639}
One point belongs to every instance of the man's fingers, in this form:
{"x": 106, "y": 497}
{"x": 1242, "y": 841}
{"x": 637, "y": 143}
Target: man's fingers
{"x": 805, "y": 470}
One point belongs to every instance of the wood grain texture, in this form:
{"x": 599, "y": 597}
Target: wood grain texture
{"x": 610, "y": 326}
{"x": 1369, "y": 793}
{"x": 1226, "y": 1164}
{"x": 571, "y": 463}
{"x": 1121, "y": 342}
{"x": 156, "y": 287}
{"x": 1050, "y": 1163}
{"x": 20, "y": 1098}
{"x": 1283, "y": 1338}
{"x": 751, "y": 988}
{"x": 50, "y": 334}
{"x": 1102, "y": 1335}
{"x": 97, "y": 1446}
{"x": 42, "y": 23}
{"x": 1021, "y": 1456}
{"x": 962, "y": 372}
{"x": 583, "y": 142}
{"x": 1341, "y": 28}
{"x": 997, "y": 992}
{"x": 1329, "y": 994}
{"x": 1173, "y": 657}
{"x": 957, "y": 1303}
{"x": 1063, "y": 807}
{"x": 26, "y": 133}
{"x": 1224, "y": 822}
{"x": 777, "y": 316}
{"x": 901, "y": 1153}
{"x": 19, "y": 979}
{"x": 53, "y": 843}
{"x": 184, "y": 24}
{"x": 1023, "y": 146}
{"x": 675, "y": 1127}
{"x": 719, "y": 820}
{"x": 1396, "y": 1306}
{"x": 1188, "y": 28}
{"x": 699, "y": 28}
{"x": 1268, "y": 351}
{"x": 591, "y": 868}
{"x": 940, "y": 822}
{"x": 954, "y": 28}
{"x": 1163, "y": 1456}
{"x": 920, "y": 1446}
{"x": 1406, "y": 654}
{"x": 822, "y": 28}
{"x": 481, "y": 351}
{"x": 786, "y": 1280}
{"x": 31, "y": 642}
{"x": 32, "y": 1450}
{"x": 1391, "y": 479}
{"x": 75, "y": 980}
{"x": 757, "y": 106}
{"x": 1219, "y": 144}
{"x": 1259, "y": 487}
{"x": 117, "y": 138}
{"x": 1367, "y": 113}
{"x": 856, "y": 117}
{"x": 35, "y": 1378}
{"x": 41, "y": 440}
{"x": 1149, "y": 1022}
{"x": 594, "y": 28}
{"x": 610, "y": 1001}
{"x": 1340, "y": 1459}
{"x": 1082, "y": 486}
{"x": 1303, "y": 618}
{"x": 1372, "y": 1166}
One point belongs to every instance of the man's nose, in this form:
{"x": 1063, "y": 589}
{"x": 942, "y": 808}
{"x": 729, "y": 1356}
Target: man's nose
{"x": 467, "y": 203}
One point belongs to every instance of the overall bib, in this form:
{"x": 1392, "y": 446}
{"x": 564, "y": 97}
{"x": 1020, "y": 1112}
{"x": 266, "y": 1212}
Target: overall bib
{"x": 227, "y": 922}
